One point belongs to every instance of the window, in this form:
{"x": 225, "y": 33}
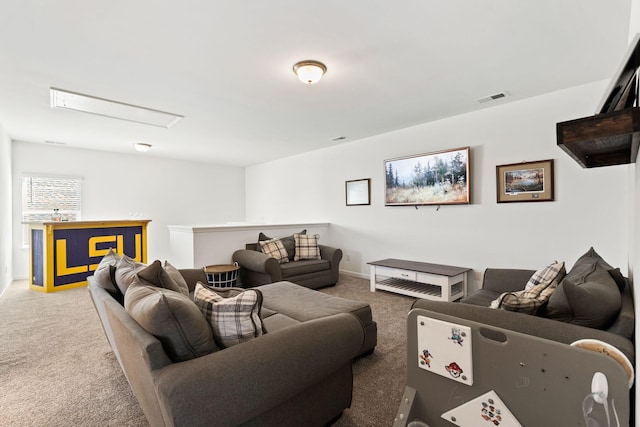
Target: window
{"x": 42, "y": 194}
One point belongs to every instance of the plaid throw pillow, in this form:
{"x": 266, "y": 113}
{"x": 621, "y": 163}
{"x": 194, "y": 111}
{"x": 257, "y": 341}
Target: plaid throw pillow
{"x": 234, "y": 314}
{"x": 306, "y": 246}
{"x": 275, "y": 249}
{"x": 546, "y": 275}
{"x": 535, "y": 294}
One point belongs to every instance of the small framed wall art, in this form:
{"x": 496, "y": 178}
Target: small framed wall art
{"x": 525, "y": 182}
{"x": 358, "y": 192}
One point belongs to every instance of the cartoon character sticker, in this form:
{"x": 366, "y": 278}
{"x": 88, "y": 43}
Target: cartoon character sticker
{"x": 445, "y": 349}
{"x": 491, "y": 413}
{"x": 456, "y": 336}
{"x": 487, "y": 407}
{"x": 426, "y": 357}
{"x": 454, "y": 369}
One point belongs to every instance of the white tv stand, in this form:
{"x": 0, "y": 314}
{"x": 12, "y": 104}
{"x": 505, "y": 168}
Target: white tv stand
{"x": 419, "y": 279}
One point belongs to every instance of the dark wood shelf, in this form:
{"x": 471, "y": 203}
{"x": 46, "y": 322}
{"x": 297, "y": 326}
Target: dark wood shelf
{"x": 602, "y": 140}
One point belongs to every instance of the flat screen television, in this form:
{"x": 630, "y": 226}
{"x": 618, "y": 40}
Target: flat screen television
{"x": 438, "y": 178}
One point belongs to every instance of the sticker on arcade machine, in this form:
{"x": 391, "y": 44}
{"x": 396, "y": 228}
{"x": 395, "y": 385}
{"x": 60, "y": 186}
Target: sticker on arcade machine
{"x": 444, "y": 348}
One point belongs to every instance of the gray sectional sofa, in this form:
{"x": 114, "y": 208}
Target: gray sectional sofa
{"x": 298, "y": 373}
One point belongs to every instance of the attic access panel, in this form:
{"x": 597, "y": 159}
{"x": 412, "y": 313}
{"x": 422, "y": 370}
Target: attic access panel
{"x": 602, "y": 140}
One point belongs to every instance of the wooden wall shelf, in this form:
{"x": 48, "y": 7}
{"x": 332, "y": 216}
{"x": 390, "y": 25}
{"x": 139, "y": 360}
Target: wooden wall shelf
{"x": 602, "y": 140}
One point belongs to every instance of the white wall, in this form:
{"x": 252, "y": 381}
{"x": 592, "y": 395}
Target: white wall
{"x": 6, "y": 267}
{"x": 590, "y": 208}
{"x": 634, "y": 197}
{"x": 114, "y": 186}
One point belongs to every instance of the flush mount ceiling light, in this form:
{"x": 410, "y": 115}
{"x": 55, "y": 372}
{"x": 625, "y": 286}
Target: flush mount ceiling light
{"x": 117, "y": 110}
{"x": 142, "y": 147}
{"x": 309, "y": 71}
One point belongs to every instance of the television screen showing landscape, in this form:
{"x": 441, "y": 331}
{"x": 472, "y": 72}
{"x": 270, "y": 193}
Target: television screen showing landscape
{"x": 428, "y": 179}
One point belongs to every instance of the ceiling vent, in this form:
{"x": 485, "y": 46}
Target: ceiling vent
{"x": 107, "y": 108}
{"x": 493, "y": 97}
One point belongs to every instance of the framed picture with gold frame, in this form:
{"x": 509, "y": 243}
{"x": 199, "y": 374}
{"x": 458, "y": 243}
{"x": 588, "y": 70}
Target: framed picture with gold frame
{"x": 358, "y": 192}
{"x": 525, "y": 182}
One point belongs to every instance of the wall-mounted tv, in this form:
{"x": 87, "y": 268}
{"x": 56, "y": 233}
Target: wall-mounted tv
{"x": 439, "y": 178}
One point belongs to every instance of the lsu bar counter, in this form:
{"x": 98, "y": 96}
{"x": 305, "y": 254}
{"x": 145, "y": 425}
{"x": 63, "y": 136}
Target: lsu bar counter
{"x": 63, "y": 254}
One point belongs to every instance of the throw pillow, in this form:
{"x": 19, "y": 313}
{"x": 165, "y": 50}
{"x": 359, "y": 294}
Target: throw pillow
{"x": 105, "y": 273}
{"x": 288, "y": 242}
{"x": 306, "y": 246}
{"x": 234, "y": 314}
{"x": 617, "y": 277}
{"x": 544, "y": 276}
{"x": 275, "y": 249}
{"x": 172, "y": 318}
{"x": 155, "y": 275}
{"x": 536, "y": 293}
{"x": 527, "y": 301}
{"x": 126, "y": 270}
{"x": 587, "y": 296}
{"x": 175, "y": 274}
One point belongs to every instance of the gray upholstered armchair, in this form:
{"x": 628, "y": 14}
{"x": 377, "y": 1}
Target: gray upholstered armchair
{"x": 258, "y": 268}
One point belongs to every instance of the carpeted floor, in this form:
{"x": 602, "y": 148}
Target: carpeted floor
{"x": 57, "y": 368}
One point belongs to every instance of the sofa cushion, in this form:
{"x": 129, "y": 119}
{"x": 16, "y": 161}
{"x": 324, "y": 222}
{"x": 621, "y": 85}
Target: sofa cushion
{"x": 105, "y": 274}
{"x": 288, "y": 242}
{"x": 172, "y": 318}
{"x": 298, "y": 268}
{"x": 233, "y": 313}
{"x": 306, "y": 246}
{"x": 154, "y": 274}
{"x": 304, "y": 304}
{"x": 126, "y": 270}
{"x": 275, "y": 249}
{"x": 587, "y": 296}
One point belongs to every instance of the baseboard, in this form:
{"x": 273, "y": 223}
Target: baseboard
{"x": 355, "y": 274}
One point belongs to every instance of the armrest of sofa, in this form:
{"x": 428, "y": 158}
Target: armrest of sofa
{"x": 236, "y": 384}
{"x": 505, "y": 279}
{"x": 334, "y": 255}
{"x": 258, "y": 262}
{"x": 528, "y": 324}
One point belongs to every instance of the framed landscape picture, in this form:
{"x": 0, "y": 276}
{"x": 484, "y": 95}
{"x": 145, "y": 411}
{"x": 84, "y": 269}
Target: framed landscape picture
{"x": 525, "y": 182}
{"x": 439, "y": 178}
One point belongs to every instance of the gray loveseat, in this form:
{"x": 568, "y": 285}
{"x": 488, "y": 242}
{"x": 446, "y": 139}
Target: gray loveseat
{"x": 298, "y": 373}
{"x": 258, "y": 268}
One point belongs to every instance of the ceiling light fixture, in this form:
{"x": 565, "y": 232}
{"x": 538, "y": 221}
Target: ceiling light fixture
{"x": 117, "y": 110}
{"x": 142, "y": 147}
{"x": 309, "y": 71}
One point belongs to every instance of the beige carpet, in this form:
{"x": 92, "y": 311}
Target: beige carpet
{"x": 57, "y": 368}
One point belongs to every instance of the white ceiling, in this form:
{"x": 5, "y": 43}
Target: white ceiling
{"x": 227, "y": 67}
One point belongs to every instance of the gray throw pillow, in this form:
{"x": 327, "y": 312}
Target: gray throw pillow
{"x": 172, "y": 318}
{"x": 155, "y": 275}
{"x": 587, "y": 296}
{"x": 105, "y": 274}
{"x": 177, "y": 277}
{"x": 126, "y": 270}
